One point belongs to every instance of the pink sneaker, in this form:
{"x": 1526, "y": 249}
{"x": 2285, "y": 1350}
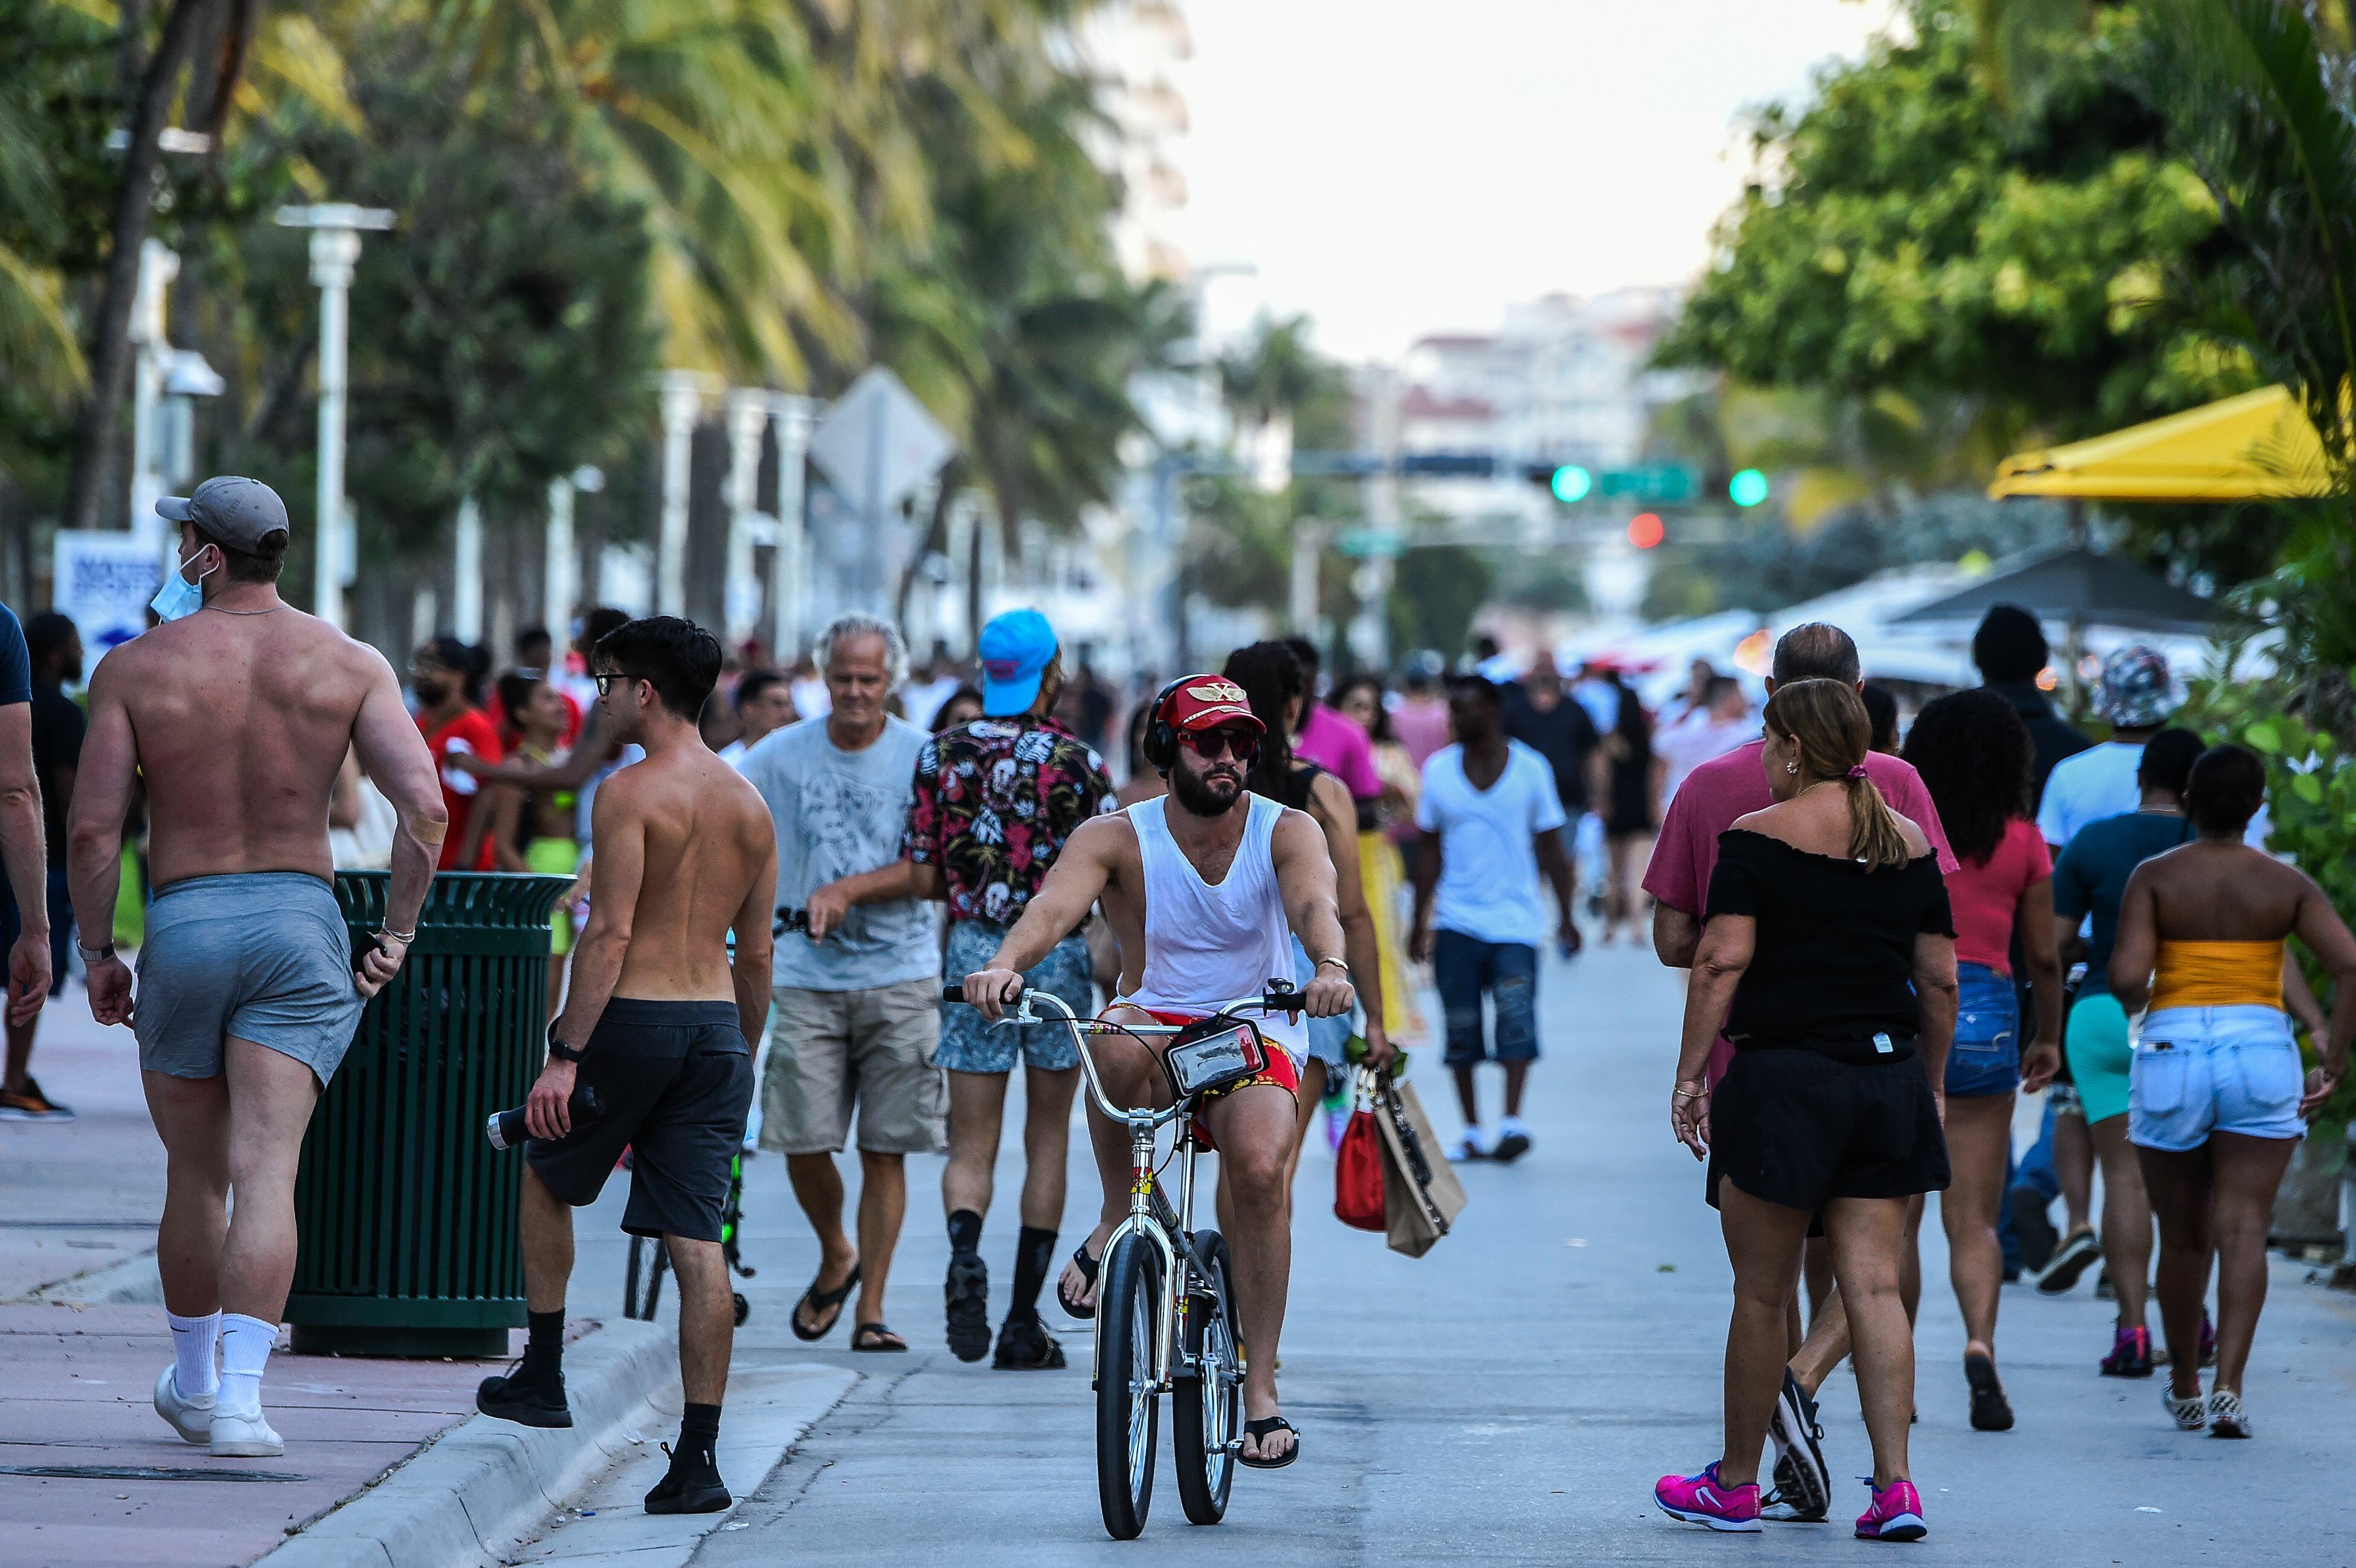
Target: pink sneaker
{"x": 1896, "y": 1514}
{"x": 1701, "y": 1500}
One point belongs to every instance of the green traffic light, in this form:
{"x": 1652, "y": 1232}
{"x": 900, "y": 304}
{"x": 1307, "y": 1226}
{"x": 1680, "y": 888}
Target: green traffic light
{"x": 1747, "y": 488}
{"x": 1571, "y": 483}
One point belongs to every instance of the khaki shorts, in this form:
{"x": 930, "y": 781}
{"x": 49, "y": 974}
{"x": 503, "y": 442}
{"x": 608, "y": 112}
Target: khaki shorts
{"x": 828, "y": 1049}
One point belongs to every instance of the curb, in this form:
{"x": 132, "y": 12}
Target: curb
{"x": 131, "y": 1281}
{"x": 472, "y": 1494}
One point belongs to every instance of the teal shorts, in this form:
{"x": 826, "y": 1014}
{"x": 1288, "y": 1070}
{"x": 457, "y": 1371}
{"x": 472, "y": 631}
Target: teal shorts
{"x": 2101, "y": 1054}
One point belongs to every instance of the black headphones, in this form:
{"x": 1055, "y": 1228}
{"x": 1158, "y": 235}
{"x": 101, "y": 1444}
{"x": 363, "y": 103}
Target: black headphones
{"x": 1159, "y": 745}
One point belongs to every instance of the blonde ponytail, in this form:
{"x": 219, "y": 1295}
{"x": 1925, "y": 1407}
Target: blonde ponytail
{"x": 1827, "y": 721}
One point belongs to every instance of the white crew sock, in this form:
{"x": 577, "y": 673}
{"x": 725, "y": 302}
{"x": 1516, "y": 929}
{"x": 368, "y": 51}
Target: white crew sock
{"x": 246, "y": 1344}
{"x": 193, "y": 1341}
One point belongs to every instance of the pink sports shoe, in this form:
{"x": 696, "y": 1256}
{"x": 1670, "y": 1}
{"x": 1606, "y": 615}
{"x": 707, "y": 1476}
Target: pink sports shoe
{"x": 1896, "y": 1514}
{"x": 1701, "y": 1500}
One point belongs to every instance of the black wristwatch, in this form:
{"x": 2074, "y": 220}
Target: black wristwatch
{"x": 558, "y": 1049}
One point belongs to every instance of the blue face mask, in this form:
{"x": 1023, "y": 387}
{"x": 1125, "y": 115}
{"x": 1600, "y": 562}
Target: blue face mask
{"x": 178, "y": 597}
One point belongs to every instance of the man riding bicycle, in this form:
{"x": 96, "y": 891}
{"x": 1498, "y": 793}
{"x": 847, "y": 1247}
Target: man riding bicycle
{"x": 1203, "y": 886}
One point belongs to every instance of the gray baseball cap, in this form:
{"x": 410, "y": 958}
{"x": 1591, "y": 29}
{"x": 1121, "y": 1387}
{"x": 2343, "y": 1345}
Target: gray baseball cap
{"x": 239, "y": 512}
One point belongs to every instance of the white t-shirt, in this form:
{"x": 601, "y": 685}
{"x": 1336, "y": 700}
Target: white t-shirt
{"x": 811, "y": 699}
{"x": 2100, "y": 782}
{"x": 1488, "y": 866}
{"x": 1695, "y": 739}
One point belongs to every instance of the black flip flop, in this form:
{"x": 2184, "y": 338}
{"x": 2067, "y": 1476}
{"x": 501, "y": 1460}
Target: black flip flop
{"x": 1088, "y": 1267}
{"x": 821, "y": 1301}
{"x": 865, "y": 1335}
{"x": 1260, "y": 1429}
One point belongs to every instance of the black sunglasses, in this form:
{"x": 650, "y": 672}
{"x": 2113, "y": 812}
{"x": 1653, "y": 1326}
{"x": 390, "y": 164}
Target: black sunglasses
{"x": 1213, "y": 745}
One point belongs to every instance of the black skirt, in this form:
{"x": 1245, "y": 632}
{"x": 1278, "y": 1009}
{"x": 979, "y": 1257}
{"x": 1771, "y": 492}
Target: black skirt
{"x": 1795, "y": 1127}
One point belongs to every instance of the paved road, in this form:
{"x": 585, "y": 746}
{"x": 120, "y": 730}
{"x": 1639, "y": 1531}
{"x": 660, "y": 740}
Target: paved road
{"x": 1511, "y": 1397}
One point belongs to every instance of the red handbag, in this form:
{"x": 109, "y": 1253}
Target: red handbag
{"x": 1358, "y": 1173}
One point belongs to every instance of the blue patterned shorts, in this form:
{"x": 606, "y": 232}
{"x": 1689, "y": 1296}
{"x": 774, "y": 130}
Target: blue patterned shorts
{"x": 970, "y": 1043}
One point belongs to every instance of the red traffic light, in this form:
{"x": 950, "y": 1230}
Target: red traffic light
{"x": 1645, "y": 529}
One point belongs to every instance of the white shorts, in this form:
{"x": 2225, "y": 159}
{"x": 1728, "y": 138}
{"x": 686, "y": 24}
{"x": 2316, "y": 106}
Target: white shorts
{"x": 2200, "y": 1070}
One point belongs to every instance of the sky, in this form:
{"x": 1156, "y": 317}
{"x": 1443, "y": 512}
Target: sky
{"x": 1394, "y": 167}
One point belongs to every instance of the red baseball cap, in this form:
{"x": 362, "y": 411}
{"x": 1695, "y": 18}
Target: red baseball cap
{"x": 1207, "y": 701}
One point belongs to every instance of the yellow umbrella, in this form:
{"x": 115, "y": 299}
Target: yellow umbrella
{"x": 2259, "y": 444}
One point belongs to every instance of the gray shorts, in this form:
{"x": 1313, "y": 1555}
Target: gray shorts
{"x": 262, "y": 956}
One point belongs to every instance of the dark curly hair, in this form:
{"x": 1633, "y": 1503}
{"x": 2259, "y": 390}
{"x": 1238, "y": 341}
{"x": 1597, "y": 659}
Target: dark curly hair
{"x": 1973, "y": 754}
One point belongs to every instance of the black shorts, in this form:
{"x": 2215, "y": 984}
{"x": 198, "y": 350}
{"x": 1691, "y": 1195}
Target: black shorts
{"x": 1796, "y": 1127}
{"x": 675, "y": 1081}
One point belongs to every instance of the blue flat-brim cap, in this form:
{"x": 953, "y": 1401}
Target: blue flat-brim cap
{"x": 1016, "y": 649}
{"x": 237, "y": 511}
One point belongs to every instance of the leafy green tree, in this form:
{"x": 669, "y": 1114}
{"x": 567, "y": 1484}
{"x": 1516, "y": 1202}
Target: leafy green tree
{"x": 1907, "y": 232}
{"x": 508, "y": 337}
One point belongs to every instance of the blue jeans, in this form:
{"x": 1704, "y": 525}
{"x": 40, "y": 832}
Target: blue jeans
{"x": 1467, "y": 968}
{"x": 1986, "y": 1056}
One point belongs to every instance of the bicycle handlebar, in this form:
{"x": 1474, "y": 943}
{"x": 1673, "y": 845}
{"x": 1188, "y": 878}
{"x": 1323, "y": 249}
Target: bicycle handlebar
{"x": 1279, "y": 997}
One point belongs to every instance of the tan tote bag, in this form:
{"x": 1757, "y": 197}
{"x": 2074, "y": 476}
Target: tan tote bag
{"x": 1421, "y": 1196}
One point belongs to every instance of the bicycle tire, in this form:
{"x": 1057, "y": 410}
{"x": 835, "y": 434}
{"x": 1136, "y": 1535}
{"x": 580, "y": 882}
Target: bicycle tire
{"x": 1129, "y": 1408}
{"x": 631, "y": 1279}
{"x": 1207, "y": 1408}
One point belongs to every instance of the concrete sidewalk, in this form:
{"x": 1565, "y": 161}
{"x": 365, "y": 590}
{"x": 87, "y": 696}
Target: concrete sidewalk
{"x": 90, "y": 1474}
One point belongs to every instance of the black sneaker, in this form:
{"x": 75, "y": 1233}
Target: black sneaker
{"x": 2078, "y": 1252}
{"x": 1802, "y": 1482}
{"x": 967, "y": 1294}
{"x": 693, "y": 1485}
{"x": 524, "y": 1398}
{"x": 1024, "y": 1345}
{"x": 2033, "y": 1227}
{"x": 1991, "y": 1412}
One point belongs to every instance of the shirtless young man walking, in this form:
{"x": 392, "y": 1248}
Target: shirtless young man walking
{"x": 237, "y": 711}
{"x": 657, "y": 1022}
{"x": 1204, "y": 887}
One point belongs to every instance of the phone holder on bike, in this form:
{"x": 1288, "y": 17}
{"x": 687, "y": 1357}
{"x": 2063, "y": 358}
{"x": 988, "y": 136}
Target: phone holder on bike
{"x": 1215, "y": 1053}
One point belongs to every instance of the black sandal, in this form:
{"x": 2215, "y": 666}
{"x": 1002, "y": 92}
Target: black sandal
{"x": 828, "y": 1301}
{"x": 1087, "y": 1266}
{"x": 1260, "y": 1429}
{"x": 866, "y": 1337}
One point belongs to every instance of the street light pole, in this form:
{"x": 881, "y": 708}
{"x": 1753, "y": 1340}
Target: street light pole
{"x": 336, "y": 229}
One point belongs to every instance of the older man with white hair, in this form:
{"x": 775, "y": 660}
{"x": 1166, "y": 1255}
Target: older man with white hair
{"x": 856, "y": 998}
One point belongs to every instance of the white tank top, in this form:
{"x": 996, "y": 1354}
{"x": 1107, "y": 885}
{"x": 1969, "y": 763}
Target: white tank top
{"x": 1206, "y": 945}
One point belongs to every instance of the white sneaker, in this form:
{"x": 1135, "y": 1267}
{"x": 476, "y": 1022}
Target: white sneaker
{"x": 1467, "y": 1147}
{"x": 238, "y": 1435}
{"x": 191, "y": 1418}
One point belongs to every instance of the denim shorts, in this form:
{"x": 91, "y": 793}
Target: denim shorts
{"x": 971, "y": 1044}
{"x": 2200, "y": 1070}
{"x": 1329, "y": 1039}
{"x": 1985, "y": 1057}
{"x": 1465, "y": 969}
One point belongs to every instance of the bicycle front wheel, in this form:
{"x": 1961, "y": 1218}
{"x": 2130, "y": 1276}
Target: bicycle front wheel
{"x": 1207, "y": 1406}
{"x": 1129, "y": 1407}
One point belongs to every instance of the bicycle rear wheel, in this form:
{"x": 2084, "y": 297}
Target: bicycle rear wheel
{"x": 642, "y": 1284}
{"x": 1129, "y": 1408}
{"x": 1207, "y": 1406}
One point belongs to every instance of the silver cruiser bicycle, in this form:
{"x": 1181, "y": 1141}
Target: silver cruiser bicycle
{"x": 1165, "y": 1301}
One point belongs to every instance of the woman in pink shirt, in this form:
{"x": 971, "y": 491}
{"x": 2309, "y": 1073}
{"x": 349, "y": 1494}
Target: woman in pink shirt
{"x": 1974, "y": 753}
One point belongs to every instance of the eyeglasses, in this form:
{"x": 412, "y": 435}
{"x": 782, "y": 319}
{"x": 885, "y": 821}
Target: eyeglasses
{"x": 605, "y": 682}
{"x": 1212, "y": 745}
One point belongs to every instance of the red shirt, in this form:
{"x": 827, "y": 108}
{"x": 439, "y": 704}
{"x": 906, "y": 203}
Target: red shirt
{"x": 1734, "y": 785}
{"x": 472, "y": 732}
{"x": 1986, "y": 894}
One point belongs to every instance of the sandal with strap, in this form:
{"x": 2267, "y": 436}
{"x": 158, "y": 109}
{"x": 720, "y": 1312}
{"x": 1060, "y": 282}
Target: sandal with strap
{"x": 1088, "y": 1267}
{"x": 827, "y": 1301}
{"x": 876, "y": 1336}
{"x": 1260, "y": 1429}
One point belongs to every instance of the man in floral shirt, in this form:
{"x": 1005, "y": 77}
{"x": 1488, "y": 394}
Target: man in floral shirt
{"x": 995, "y": 801}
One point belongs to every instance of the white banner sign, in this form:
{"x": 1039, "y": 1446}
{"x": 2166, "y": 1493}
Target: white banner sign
{"x": 102, "y": 583}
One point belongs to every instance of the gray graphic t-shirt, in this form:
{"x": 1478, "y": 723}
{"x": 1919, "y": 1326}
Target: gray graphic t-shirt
{"x": 840, "y": 812}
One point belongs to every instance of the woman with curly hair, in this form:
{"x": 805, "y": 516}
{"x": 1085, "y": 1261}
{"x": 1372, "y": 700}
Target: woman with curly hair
{"x": 1974, "y": 753}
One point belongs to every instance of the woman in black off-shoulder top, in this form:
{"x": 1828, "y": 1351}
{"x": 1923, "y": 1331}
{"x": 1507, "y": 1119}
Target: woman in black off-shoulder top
{"x": 1828, "y": 956}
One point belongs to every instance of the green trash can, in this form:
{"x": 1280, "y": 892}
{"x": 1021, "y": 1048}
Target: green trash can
{"x": 406, "y": 1215}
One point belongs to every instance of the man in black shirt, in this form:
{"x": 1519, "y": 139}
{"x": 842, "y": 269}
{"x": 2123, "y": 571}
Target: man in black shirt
{"x": 2010, "y": 651}
{"x": 1541, "y": 716}
{"x": 31, "y": 675}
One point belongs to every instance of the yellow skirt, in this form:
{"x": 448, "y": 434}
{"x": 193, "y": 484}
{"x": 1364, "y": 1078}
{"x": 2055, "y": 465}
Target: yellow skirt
{"x": 555, "y": 857}
{"x": 1378, "y": 874}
